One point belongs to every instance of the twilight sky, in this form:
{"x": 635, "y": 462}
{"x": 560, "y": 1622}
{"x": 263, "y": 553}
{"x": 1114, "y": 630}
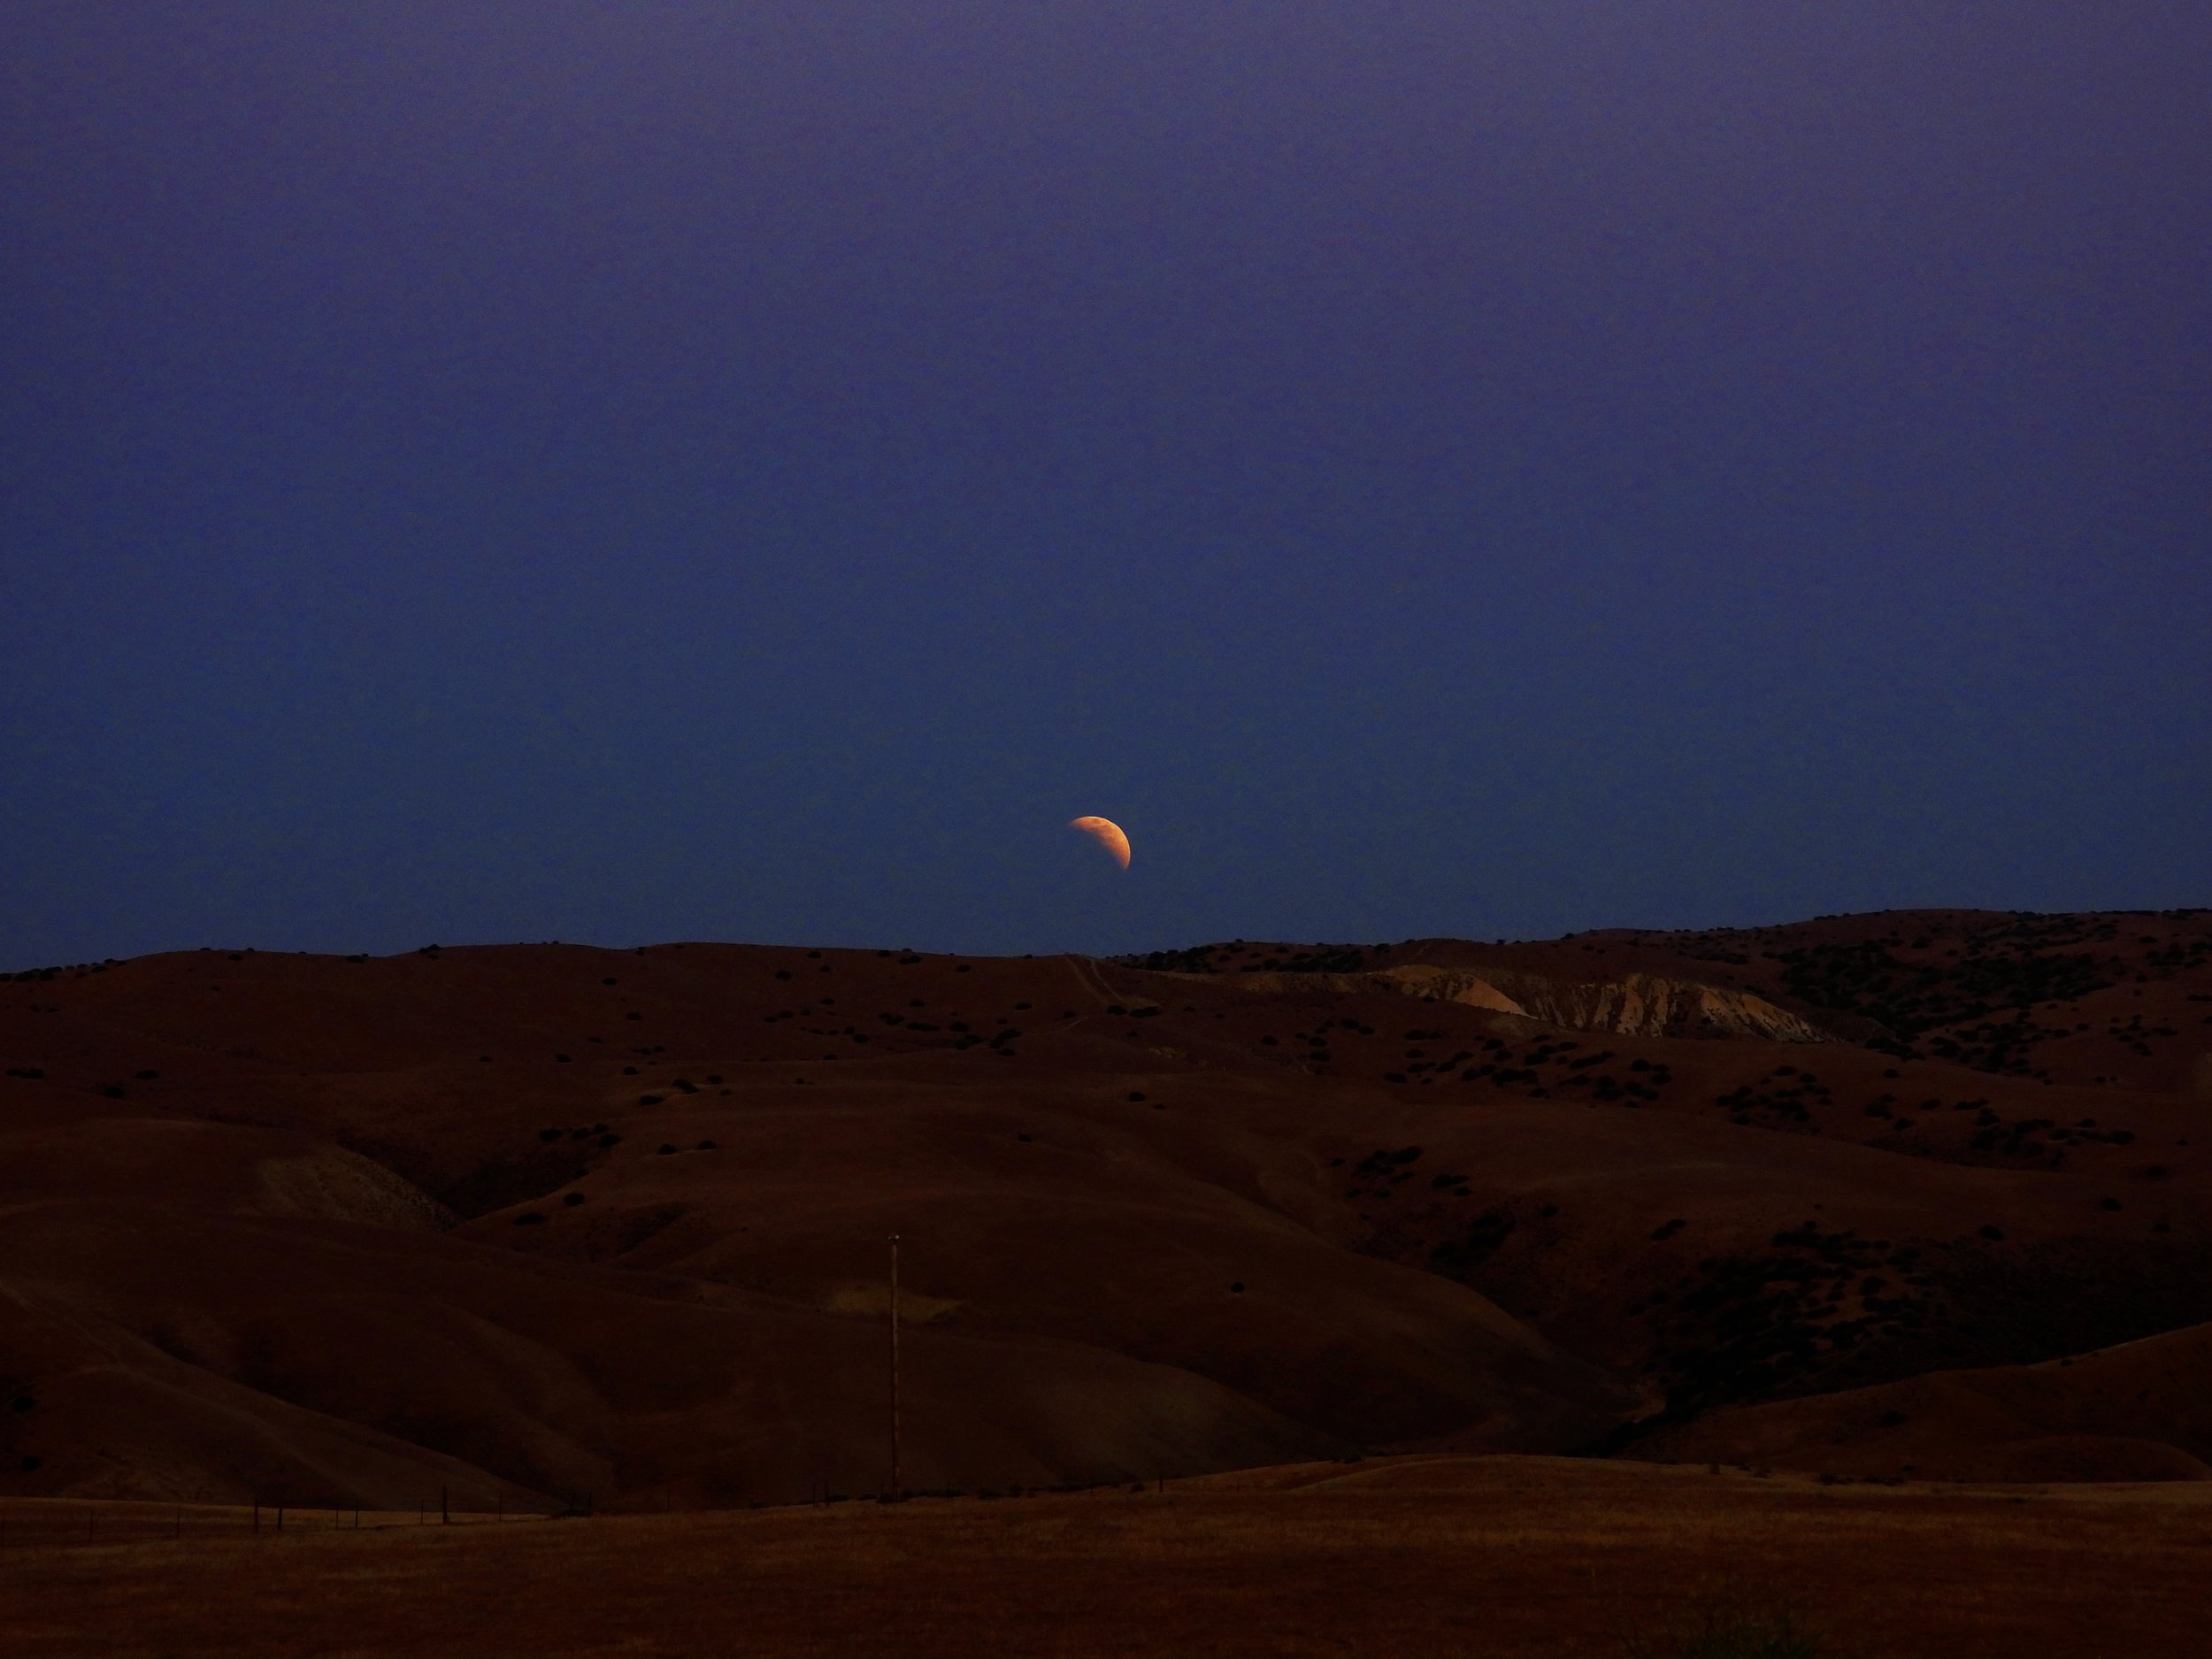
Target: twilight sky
{"x": 532, "y": 469}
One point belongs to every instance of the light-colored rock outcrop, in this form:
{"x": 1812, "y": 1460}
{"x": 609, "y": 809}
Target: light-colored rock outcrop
{"x": 1634, "y": 1005}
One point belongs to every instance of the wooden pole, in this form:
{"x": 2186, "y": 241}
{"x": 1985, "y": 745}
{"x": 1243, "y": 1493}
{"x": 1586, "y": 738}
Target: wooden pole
{"x": 894, "y": 1365}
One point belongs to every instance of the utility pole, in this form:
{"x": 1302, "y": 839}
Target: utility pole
{"x": 894, "y": 1365}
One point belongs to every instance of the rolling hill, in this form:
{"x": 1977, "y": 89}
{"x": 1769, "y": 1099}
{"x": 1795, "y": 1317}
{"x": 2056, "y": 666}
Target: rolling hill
{"x": 534, "y": 1222}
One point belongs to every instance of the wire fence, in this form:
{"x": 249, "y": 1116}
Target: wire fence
{"x": 28, "y": 1523}
{"x": 63, "y": 1522}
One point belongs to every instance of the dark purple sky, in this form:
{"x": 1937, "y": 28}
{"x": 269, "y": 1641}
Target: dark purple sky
{"x": 629, "y": 472}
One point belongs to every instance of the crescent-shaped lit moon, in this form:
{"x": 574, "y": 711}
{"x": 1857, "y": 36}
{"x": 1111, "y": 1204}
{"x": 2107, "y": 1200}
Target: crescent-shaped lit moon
{"x": 1108, "y": 835}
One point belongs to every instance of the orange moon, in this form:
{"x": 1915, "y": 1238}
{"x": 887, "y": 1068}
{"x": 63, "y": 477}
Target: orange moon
{"x": 1108, "y": 835}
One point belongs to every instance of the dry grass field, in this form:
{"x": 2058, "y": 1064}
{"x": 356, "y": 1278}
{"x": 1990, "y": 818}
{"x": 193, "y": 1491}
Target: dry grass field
{"x": 1435, "y": 1556}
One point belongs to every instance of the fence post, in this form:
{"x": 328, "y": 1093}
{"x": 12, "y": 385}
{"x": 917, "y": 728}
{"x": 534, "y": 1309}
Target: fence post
{"x": 445, "y": 1510}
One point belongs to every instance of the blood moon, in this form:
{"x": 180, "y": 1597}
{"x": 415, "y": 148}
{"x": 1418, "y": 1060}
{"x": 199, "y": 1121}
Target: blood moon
{"x": 1108, "y": 835}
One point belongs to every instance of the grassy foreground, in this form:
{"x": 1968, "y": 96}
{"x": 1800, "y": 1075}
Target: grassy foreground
{"x": 1431, "y": 1556}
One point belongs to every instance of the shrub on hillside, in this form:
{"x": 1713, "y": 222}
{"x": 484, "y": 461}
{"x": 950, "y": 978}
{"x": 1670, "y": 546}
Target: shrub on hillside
{"x": 1734, "y": 1623}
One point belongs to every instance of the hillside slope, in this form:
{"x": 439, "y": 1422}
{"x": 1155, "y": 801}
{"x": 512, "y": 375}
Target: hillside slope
{"x": 544, "y": 1220}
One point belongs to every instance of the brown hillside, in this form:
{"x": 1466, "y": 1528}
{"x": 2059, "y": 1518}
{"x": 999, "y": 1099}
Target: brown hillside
{"x": 2136, "y": 1412}
{"x": 543, "y": 1220}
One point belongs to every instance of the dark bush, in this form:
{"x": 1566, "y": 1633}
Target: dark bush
{"x": 1734, "y": 1625}
{"x": 572, "y": 1199}
{"x": 548, "y": 1134}
{"x": 529, "y": 1218}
